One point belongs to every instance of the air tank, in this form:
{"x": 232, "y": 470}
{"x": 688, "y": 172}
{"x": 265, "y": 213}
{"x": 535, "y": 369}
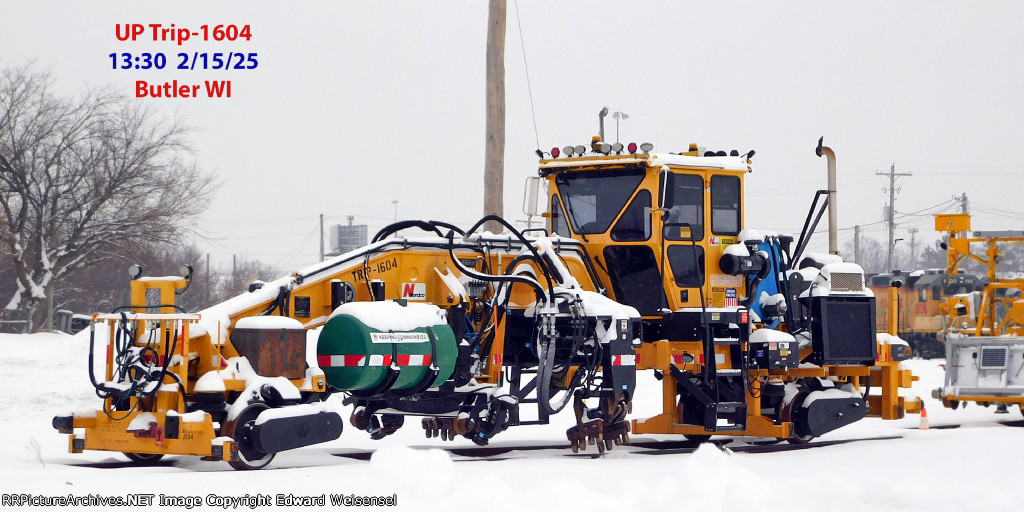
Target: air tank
{"x": 362, "y": 340}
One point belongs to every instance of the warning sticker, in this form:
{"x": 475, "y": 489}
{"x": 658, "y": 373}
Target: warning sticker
{"x": 717, "y": 296}
{"x": 399, "y": 337}
{"x": 726, "y": 281}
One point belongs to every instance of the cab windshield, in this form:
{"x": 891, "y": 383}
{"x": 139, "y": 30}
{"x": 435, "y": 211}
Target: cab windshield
{"x": 594, "y": 199}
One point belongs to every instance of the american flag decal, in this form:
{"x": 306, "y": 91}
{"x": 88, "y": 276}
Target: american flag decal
{"x": 730, "y": 297}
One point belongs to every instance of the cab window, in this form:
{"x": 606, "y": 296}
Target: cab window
{"x": 687, "y": 264}
{"x": 558, "y": 224}
{"x": 634, "y": 225}
{"x": 594, "y": 199}
{"x": 725, "y": 205}
{"x": 684, "y": 203}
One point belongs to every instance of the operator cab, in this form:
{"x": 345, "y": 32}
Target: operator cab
{"x": 651, "y": 222}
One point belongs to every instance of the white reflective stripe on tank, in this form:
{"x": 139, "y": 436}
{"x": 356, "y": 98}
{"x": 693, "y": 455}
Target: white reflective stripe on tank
{"x": 335, "y": 361}
{"x": 413, "y": 359}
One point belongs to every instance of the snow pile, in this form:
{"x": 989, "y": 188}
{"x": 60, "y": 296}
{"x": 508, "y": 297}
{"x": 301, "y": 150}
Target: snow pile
{"x": 770, "y": 336}
{"x": 962, "y": 463}
{"x": 405, "y": 465}
{"x": 888, "y": 339}
{"x": 268, "y": 322}
{"x": 455, "y": 286}
{"x": 216, "y": 319}
{"x": 294, "y": 411}
{"x": 819, "y": 260}
{"x": 739, "y": 250}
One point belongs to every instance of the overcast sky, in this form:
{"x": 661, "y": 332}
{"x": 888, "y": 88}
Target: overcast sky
{"x": 355, "y": 105}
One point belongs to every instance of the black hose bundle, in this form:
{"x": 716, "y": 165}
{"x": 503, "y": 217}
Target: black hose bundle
{"x": 130, "y": 358}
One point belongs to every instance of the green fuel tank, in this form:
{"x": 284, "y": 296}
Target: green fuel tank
{"x": 362, "y": 340}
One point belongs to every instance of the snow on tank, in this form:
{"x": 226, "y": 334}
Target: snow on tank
{"x": 392, "y": 316}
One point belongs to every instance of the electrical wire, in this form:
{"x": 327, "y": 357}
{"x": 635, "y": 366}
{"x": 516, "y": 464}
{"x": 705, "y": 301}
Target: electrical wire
{"x": 529, "y": 89}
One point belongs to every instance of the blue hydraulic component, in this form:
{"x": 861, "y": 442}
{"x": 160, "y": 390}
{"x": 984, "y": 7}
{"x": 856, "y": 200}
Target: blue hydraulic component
{"x": 772, "y": 283}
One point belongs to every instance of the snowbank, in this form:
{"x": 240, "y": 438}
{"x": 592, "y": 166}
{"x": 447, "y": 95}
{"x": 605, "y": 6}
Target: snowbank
{"x": 849, "y": 469}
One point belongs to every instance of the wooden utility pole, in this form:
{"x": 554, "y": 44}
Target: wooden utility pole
{"x": 913, "y": 248}
{"x": 494, "y": 152}
{"x": 891, "y": 212}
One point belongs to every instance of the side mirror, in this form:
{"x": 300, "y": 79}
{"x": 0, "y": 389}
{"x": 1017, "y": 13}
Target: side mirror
{"x": 530, "y": 203}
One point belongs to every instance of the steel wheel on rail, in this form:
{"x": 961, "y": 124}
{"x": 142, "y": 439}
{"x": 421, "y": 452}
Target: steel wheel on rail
{"x": 143, "y": 458}
{"x": 238, "y": 429}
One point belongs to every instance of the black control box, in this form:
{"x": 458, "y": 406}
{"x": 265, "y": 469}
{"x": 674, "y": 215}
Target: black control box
{"x": 773, "y": 355}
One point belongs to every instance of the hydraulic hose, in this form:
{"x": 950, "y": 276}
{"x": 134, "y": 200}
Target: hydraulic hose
{"x": 491, "y": 278}
{"x": 541, "y": 262}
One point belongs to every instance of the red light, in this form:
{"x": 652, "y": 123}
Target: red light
{"x": 632, "y": 148}
{"x": 555, "y": 152}
{"x": 743, "y": 316}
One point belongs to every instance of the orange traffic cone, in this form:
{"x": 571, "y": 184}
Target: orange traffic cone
{"x": 924, "y": 418}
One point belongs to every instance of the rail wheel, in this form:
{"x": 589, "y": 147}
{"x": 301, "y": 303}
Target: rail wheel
{"x": 238, "y": 429}
{"x": 143, "y": 458}
{"x": 795, "y": 439}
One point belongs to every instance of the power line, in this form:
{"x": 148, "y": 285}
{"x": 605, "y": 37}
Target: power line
{"x": 529, "y": 89}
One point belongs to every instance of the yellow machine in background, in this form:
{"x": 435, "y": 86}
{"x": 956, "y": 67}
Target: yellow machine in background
{"x": 645, "y": 265}
{"x": 922, "y": 303}
{"x": 984, "y": 363}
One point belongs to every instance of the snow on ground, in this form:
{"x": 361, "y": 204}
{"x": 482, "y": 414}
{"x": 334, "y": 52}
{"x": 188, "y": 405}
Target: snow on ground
{"x": 968, "y": 460}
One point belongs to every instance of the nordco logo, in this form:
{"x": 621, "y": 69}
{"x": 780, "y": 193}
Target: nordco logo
{"x": 414, "y": 291}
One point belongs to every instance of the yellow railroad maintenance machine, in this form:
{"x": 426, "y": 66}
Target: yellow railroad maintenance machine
{"x": 644, "y": 265}
{"x": 982, "y": 331}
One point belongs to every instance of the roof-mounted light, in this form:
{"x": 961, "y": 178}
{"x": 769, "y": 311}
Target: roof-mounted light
{"x": 617, "y": 148}
{"x": 135, "y": 271}
{"x": 581, "y": 150}
{"x": 631, "y": 148}
{"x": 646, "y": 147}
{"x": 554, "y": 153}
{"x": 605, "y": 148}
{"x": 569, "y": 150}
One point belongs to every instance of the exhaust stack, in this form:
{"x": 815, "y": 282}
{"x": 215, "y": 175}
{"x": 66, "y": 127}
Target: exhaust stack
{"x": 833, "y": 224}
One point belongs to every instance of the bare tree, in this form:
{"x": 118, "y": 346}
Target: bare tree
{"x": 873, "y": 256}
{"x": 237, "y": 280}
{"x": 83, "y": 178}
